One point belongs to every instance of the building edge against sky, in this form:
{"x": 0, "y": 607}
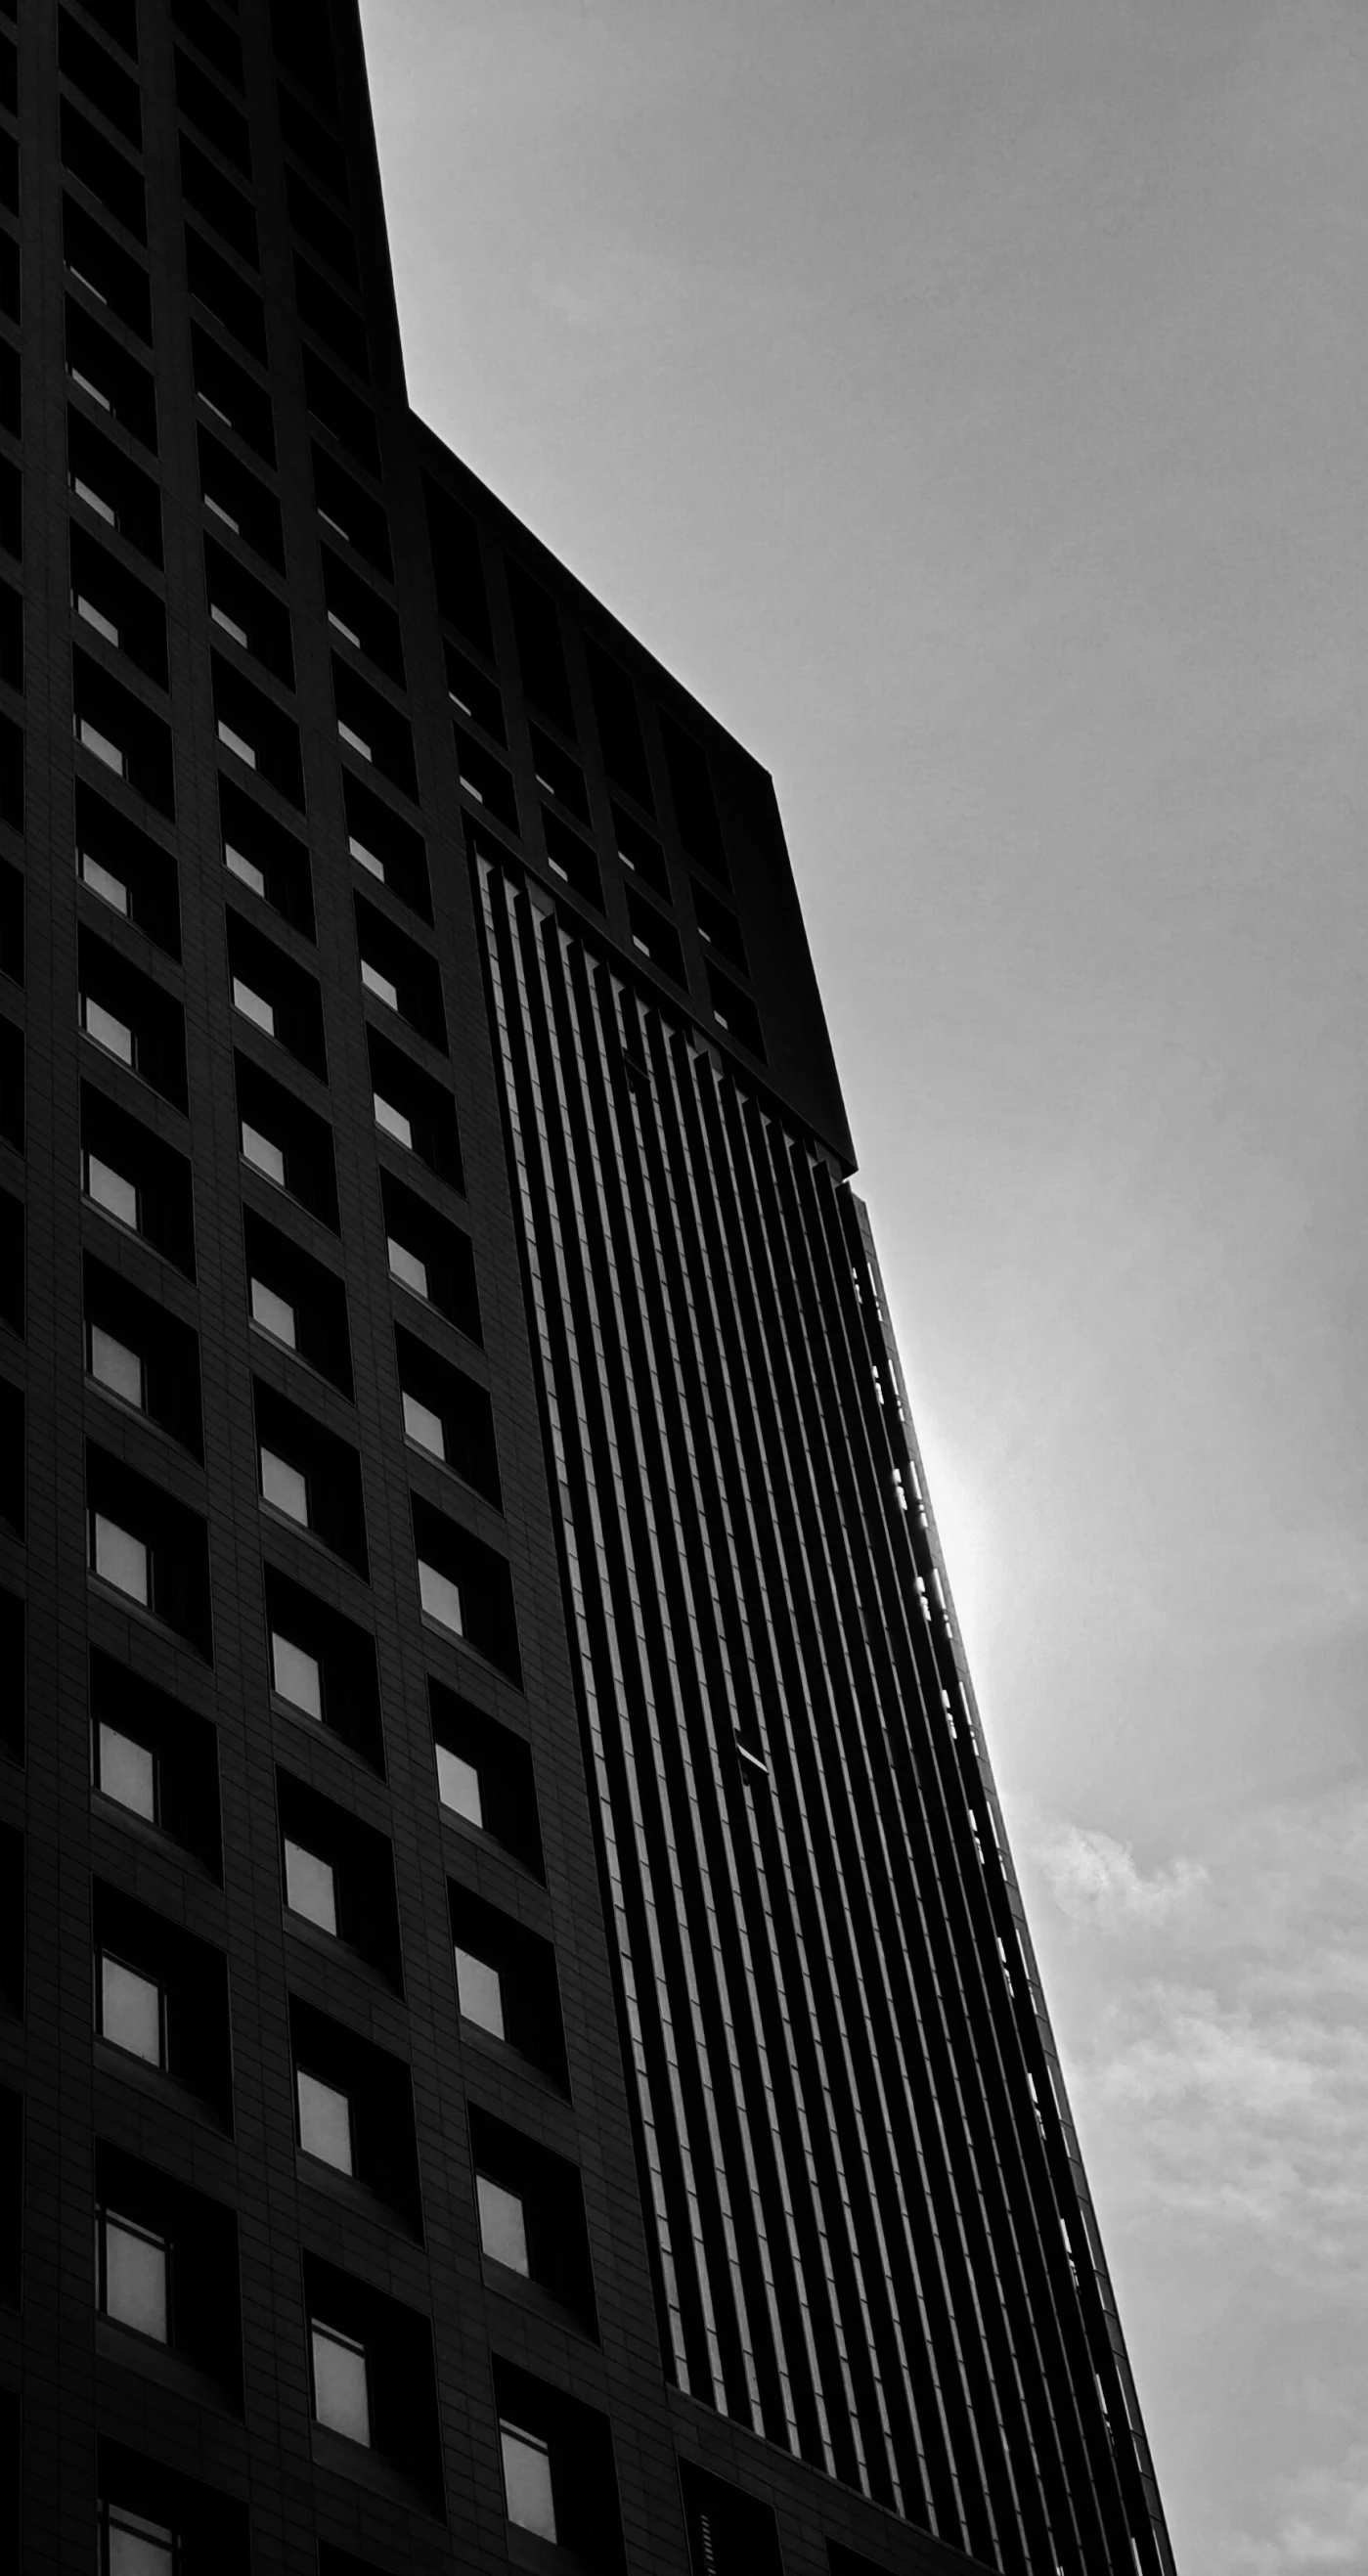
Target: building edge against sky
{"x": 519, "y": 2041}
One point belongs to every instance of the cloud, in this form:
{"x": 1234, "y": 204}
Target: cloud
{"x": 1097, "y": 1880}
{"x": 1321, "y": 2520}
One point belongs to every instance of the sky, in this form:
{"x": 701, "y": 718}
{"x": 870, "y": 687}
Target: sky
{"x": 967, "y": 399}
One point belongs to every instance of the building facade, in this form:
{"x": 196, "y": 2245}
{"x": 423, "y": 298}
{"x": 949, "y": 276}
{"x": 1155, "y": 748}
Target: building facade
{"x": 519, "y": 2042}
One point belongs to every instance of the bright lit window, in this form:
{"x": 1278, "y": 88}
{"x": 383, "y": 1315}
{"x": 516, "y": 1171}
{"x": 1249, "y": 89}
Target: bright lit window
{"x": 120, "y": 1558}
{"x": 93, "y": 616}
{"x": 230, "y": 626}
{"x": 95, "y": 500}
{"x": 479, "y": 1990}
{"x": 393, "y": 1121}
{"x": 134, "y": 2269}
{"x": 325, "y": 2127}
{"x": 114, "y": 1365}
{"x": 458, "y": 1785}
{"x": 285, "y": 1486}
{"x": 310, "y": 1887}
{"x": 365, "y": 858}
{"x": 253, "y": 1006}
{"x": 296, "y": 1676}
{"x": 103, "y": 882}
{"x": 341, "y": 2396}
{"x": 357, "y": 741}
{"x": 111, "y": 1191}
{"x": 527, "y": 2481}
{"x": 379, "y": 984}
{"x": 93, "y": 740}
{"x": 503, "y": 2225}
{"x": 106, "y": 1030}
{"x": 440, "y": 1597}
{"x": 132, "y": 2546}
{"x": 406, "y": 1267}
{"x": 274, "y": 1314}
{"x": 126, "y": 1771}
{"x": 244, "y": 869}
{"x": 424, "y": 1426}
{"x": 263, "y": 1156}
{"x": 236, "y": 742}
{"x": 132, "y": 2011}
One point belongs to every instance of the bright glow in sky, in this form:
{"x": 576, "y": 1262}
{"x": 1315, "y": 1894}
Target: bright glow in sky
{"x": 967, "y": 399}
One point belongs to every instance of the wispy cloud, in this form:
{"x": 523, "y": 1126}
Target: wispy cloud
{"x": 1097, "y": 1880}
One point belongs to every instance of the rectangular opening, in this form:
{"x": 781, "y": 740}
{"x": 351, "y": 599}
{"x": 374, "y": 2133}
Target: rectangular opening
{"x": 448, "y": 1415}
{"x": 323, "y": 1667}
{"x": 619, "y": 725}
{"x": 354, "y": 2110}
{"x": 374, "y": 729}
{"x": 718, "y": 926}
{"x": 485, "y": 779}
{"x": 386, "y": 847}
{"x": 234, "y": 397}
{"x": 694, "y": 802}
{"x": 115, "y": 492}
{"x": 350, "y": 512}
{"x": 560, "y": 2484}
{"x": 297, "y": 1300}
{"x": 155, "y": 1760}
{"x": 133, "y": 1177}
{"x": 331, "y": 318}
{"x": 558, "y": 775}
{"x": 107, "y": 272}
{"x": 458, "y": 567}
{"x": 218, "y": 287}
{"x": 485, "y": 1776}
{"x": 145, "y": 2508}
{"x": 325, "y": 232}
{"x": 167, "y": 2266}
{"x": 541, "y": 652}
{"x": 130, "y": 1016}
{"x": 726, "y": 2527}
{"x": 286, "y": 1142}
{"x": 127, "y": 871}
{"x": 472, "y": 694}
{"x": 262, "y": 855}
{"x": 138, "y": 1350}
{"x": 121, "y": 735}
{"x": 205, "y": 188}
{"x": 120, "y": 608}
{"x": 735, "y": 1012}
{"x": 400, "y": 973}
{"x": 311, "y": 143}
{"x": 433, "y": 1259}
{"x": 343, "y": 1864}
{"x": 111, "y": 378}
{"x": 310, "y": 1475}
{"x": 655, "y": 938}
{"x": 203, "y": 104}
{"x": 357, "y": 613}
{"x": 237, "y": 500}
{"x": 414, "y": 1109}
{"x": 371, "y": 2375}
{"x": 104, "y": 170}
{"x": 465, "y": 1588}
{"x": 242, "y": 607}
{"x": 275, "y": 994}
{"x": 204, "y": 27}
{"x": 571, "y": 859}
{"x": 161, "y": 1995}
{"x": 149, "y": 1548}
{"x": 530, "y": 2212}
{"x": 119, "y": 19}
{"x": 341, "y": 411}
{"x": 506, "y": 1983}
{"x": 257, "y": 732}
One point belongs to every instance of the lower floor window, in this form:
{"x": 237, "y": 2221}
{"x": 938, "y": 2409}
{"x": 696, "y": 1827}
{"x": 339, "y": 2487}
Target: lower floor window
{"x": 341, "y": 2395}
{"x": 527, "y": 2481}
{"x": 132, "y": 2546}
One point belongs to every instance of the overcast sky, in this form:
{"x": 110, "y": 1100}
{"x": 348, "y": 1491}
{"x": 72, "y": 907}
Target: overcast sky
{"x": 968, "y": 399}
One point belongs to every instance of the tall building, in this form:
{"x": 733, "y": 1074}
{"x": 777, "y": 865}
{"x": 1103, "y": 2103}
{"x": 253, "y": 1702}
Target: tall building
{"x": 519, "y": 2043}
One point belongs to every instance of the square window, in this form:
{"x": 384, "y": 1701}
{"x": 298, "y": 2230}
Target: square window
{"x": 285, "y": 1486}
{"x": 134, "y": 2269}
{"x": 325, "y": 2128}
{"x": 121, "y": 1559}
{"x": 111, "y": 1191}
{"x": 424, "y": 1426}
{"x": 341, "y": 2397}
{"x": 393, "y": 1121}
{"x": 263, "y": 1156}
{"x": 134, "y": 2547}
{"x": 131, "y": 2012}
{"x": 274, "y": 1314}
{"x": 296, "y": 1676}
{"x": 406, "y": 1267}
{"x": 104, "y": 883}
{"x": 440, "y": 1598}
{"x": 126, "y": 1772}
{"x": 458, "y": 1785}
{"x": 112, "y": 1364}
{"x": 245, "y": 870}
{"x": 253, "y": 1007}
{"x": 479, "y": 1990}
{"x": 527, "y": 2481}
{"x": 379, "y": 984}
{"x": 107, "y": 1032}
{"x": 310, "y": 1887}
{"x": 503, "y": 2225}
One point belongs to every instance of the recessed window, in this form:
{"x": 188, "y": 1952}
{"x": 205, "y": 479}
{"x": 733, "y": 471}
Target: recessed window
{"x": 106, "y": 1030}
{"x": 134, "y": 2272}
{"x": 274, "y": 1314}
{"x": 230, "y": 626}
{"x": 244, "y": 869}
{"x": 296, "y": 1676}
{"x": 132, "y": 2546}
{"x": 111, "y": 1191}
{"x": 325, "y": 2122}
{"x": 310, "y": 1887}
{"x": 379, "y": 984}
{"x": 357, "y": 742}
{"x": 424, "y": 1426}
{"x": 113, "y": 1365}
{"x": 103, "y": 882}
{"x": 225, "y": 517}
{"x": 366, "y": 858}
{"x": 458, "y": 1785}
{"x": 253, "y": 1007}
{"x": 263, "y": 1156}
{"x": 479, "y": 1990}
{"x": 104, "y": 750}
{"x": 132, "y": 2011}
{"x": 285, "y": 1486}
{"x": 236, "y": 742}
{"x": 527, "y": 2481}
{"x": 341, "y": 2396}
{"x": 393, "y": 1121}
{"x": 503, "y": 2225}
{"x": 440, "y": 1597}
{"x": 120, "y": 1558}
{"x": 95, "y": 617}
{"x": 406, "y": 1267}
{"x": 126, "y": 1771}
{"x": 340, "y": 627}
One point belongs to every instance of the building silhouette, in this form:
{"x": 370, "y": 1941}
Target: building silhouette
{"x": 519, "y": 2043}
